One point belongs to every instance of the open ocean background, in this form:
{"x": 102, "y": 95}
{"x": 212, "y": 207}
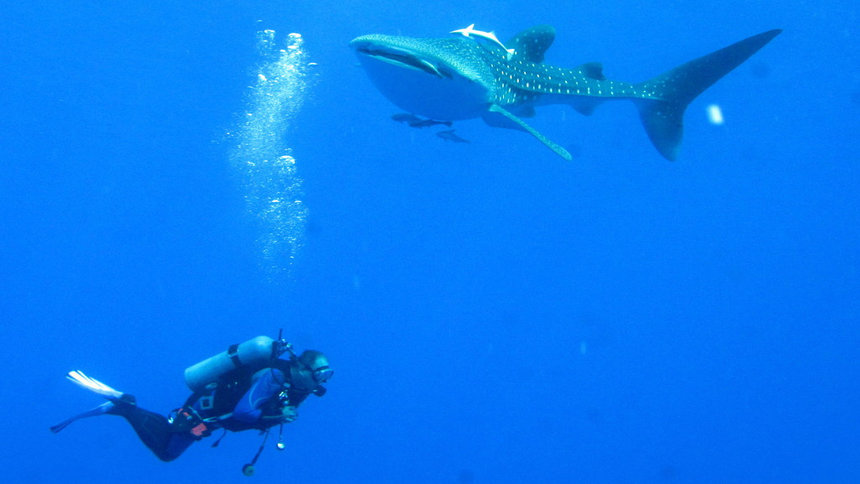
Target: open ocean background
{"x": 494, "y": 314}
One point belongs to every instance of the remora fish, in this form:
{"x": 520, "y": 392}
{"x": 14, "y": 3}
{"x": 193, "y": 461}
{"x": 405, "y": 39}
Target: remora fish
{"x": 406, "y": 118}
{"x": 461, "y": 78}
{"x": 449, "y": 135}
{"x": 416, "y": 122}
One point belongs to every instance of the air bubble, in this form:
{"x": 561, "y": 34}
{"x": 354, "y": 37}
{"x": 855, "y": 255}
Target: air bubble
{"x": 261, "y": 155}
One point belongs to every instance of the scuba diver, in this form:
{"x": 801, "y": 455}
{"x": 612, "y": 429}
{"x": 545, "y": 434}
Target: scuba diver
{"x": 246, "y": 387}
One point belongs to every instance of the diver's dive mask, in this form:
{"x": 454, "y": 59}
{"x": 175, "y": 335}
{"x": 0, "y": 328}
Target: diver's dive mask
{"x": 322, "y": 374}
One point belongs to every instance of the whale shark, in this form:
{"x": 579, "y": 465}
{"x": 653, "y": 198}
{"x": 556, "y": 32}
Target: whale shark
{"x": 474, "y": 75}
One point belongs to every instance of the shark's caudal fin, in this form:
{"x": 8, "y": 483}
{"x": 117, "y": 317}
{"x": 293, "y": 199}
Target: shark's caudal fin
{"x": 663, "y": 119}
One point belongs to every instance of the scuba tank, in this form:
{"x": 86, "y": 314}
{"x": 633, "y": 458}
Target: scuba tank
{"x": 254, "y": 352}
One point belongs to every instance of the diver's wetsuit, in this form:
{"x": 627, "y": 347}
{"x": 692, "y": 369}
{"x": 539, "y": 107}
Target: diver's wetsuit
{"x": 169, "y": 440}
{"x": 155, "y": 431}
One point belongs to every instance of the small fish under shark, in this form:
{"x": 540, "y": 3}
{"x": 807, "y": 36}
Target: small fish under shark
{"x": 474, "y": 75}
{"x": 416, "y": 122}
{"x": 449, "y": 135}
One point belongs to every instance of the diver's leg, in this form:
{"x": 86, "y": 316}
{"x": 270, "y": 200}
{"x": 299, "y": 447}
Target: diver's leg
{"x": 177, "y": 444}
{"x": 165, "y": 440}
{"x": 153, "y": 429}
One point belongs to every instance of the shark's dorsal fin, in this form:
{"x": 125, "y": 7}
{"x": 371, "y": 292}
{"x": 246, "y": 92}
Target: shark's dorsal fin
{"x": 531, "y": 44}
{"x": 592, "y": 70}
{"x": 519, "y": 123}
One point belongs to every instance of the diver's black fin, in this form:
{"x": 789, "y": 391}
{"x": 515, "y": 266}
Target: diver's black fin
{"x": 100, "y": 410}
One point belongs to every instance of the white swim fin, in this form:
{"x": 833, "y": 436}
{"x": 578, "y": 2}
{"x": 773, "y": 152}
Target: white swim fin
{"x": 114, "y": 396}
{"x": 94, "y": 385}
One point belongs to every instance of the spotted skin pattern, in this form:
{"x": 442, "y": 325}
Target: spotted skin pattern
{"x": 470, "y": 77}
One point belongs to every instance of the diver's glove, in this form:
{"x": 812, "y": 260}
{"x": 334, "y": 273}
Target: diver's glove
{"x": 287, "y": 414}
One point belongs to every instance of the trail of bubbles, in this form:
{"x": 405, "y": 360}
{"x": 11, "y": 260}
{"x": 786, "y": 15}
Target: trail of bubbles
{"x": 270, "y": 181}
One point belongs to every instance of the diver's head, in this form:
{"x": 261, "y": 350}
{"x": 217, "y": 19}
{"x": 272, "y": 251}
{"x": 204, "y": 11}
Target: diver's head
{"x": 313, "y": 370}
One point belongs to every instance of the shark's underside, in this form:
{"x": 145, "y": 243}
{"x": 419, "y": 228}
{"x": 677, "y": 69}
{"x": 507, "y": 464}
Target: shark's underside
{"x": 462, "y": 78}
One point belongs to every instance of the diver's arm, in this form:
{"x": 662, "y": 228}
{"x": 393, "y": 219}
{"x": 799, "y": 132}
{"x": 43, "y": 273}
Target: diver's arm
{"x": 268, "y": 385}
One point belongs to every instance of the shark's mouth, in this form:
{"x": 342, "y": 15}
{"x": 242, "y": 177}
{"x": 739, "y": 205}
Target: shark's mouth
{"x": 403, "y": 59}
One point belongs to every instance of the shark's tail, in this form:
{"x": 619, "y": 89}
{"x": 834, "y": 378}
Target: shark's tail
{"x": 663, "y": 117}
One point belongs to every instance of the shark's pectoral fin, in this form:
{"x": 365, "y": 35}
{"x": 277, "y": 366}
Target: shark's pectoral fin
{"x": 508, "y": 120}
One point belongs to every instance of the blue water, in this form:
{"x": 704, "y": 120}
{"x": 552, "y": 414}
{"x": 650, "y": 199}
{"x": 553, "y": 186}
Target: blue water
{"x": 494, "y": 313}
